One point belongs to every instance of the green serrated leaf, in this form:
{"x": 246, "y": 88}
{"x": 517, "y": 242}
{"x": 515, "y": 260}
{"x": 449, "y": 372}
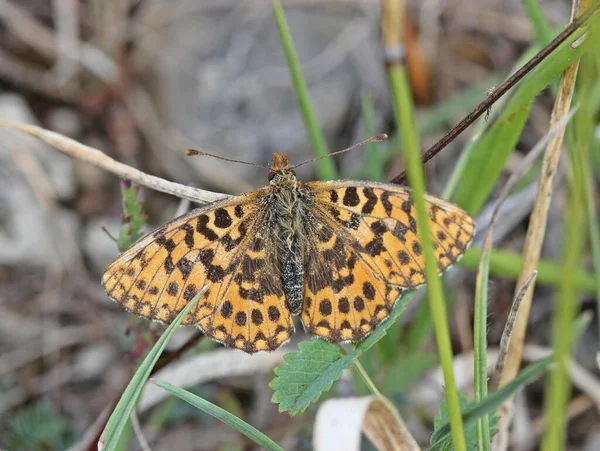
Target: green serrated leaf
{"x": 443, "y": 418}
{"x": 307, "y": 374}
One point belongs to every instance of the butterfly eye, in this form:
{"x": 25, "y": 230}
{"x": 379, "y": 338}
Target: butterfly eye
{"x": 271, "y": 175}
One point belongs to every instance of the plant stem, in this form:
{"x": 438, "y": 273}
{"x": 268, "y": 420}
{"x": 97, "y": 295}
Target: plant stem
{"x": 325, "y": 168}
{"x": 405, "y": 117}
{"x": 480, "y": 343}
{"x": 366, "y": 379}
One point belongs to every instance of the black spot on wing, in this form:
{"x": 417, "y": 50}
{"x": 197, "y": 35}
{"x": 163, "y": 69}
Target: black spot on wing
{"x": 189, "y": 235}
{"x": 385, "y": 201}
{"x": 202, "y": 228}
{"x": 222, "y": 218}
{"x": 351, "y": 198}
{"x": 238, "y": 211}
{"x": 190, "y": 292}
{"x": 172, "y": 288}
{"x": 226, "y": 309}
{"x": 170, "y": 245}
{"x": 240, "y": 318}
{"x": 169, "y": 266}
{"x": 185, "y": 266}
{"x": 273, "y": 313}
{"x": 325, "y": 307}
{"x": 371, "y": 200}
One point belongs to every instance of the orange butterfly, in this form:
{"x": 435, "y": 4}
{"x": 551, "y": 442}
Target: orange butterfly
{"x": 339, "y": 254}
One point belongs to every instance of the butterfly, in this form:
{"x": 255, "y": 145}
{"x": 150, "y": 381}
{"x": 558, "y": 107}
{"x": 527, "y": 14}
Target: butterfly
{"x": 337, "y": 253}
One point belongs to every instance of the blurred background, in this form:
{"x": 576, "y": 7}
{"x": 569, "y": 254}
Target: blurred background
{"x": 143, "y": 80}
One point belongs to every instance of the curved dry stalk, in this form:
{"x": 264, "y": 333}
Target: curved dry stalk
{"x": 509, "y": 327}
{"x": 537, "y": 225}
{"x": 103, "y": 161}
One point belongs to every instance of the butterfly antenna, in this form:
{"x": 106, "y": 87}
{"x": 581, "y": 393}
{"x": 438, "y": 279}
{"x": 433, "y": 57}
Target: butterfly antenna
{"x": 194, "y": 152}
{"x": 378, "y": 138}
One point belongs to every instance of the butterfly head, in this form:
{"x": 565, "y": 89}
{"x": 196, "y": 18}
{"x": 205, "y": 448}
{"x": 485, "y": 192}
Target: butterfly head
{"x": 281, "y": 173}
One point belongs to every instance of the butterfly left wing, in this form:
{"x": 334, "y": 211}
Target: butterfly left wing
{"x": 366, "y": 245}
{"x": 219, "y": 245}
{"x": 253, "y": 315}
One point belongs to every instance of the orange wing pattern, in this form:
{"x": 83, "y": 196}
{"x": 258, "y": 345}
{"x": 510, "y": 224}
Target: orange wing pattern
{"x": 217, "y": 245}
{"x": 254, "y": 317}
{"x": 343, "y": 299}
{"x": 367, "y": 251}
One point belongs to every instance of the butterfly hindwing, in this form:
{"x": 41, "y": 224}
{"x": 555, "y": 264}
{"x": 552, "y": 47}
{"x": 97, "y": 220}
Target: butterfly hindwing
{"x": 343, "y": 301}
{"x": 253, "y": 315}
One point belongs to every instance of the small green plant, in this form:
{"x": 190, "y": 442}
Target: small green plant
{"x": 36, "y": 427}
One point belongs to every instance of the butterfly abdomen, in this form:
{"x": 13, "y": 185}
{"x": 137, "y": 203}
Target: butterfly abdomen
{"x": 293, "y": 276}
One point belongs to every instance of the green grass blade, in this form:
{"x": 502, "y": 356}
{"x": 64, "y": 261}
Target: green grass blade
{"x": 507, "y": 264}
{"x": 306, "y": 374}
{"x": 222, "y": 415}
{"x": 543, "y": 32}
{"x": 374, "y": 159}
{"x": 480, "y": 344}
{"x": 490, "y": 155}
{"x": 594, "y": 227}
{"x": 589, "y": 101}
{"x": 120, "y": 416}
{"x": 414, "y": 168}
{"x": 325, "y": 168}
{"x": 493, "y": 401}
{"x": 477, "y": 133}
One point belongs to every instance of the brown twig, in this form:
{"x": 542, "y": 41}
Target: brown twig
{"x": 166, "y": 359}
{"x": 498, "y": 92}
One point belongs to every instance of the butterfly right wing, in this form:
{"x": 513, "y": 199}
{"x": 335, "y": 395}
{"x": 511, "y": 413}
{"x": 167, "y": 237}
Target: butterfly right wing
{"x": 163, "y": 271}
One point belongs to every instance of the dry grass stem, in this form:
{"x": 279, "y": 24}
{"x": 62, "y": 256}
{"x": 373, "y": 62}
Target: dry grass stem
{"x": 103, "y": 161}
{"x": 509, "y": 327}
{"x": 537, "y": 225}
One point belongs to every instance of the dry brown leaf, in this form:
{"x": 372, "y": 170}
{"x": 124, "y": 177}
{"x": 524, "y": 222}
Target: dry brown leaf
{"x": 340, "y": 421}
